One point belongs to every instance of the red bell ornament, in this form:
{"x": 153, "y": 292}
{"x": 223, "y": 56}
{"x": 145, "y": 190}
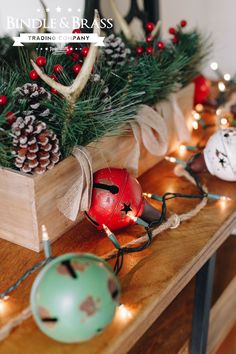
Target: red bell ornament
{"x": 202, "y": 89}
{"x": 115, "y": 194}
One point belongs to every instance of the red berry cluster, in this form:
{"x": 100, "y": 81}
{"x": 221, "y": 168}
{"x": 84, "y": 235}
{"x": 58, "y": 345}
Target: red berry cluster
{"x": 77, "y": 57}
{"x": 174, "y": 31}
{"x": 10, "y": 116}
{"x": 41, "y": 61}
{"x": 148, "y": 49}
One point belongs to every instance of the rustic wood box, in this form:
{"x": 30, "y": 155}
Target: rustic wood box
{"x": 28, "y": 202}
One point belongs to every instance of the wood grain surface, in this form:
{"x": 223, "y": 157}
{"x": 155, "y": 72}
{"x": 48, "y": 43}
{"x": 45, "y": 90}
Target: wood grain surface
{"x": 150, "y": 280}
{"x": 171, "y": 332}
{"x": 222, "y": 319}
{"x": 28, "y": 202}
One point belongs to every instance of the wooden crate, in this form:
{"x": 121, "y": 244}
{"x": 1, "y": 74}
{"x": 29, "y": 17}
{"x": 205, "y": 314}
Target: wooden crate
{"x": 28, "y": 202}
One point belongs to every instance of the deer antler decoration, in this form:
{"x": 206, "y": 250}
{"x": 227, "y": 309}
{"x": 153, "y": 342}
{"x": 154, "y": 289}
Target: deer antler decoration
{"x": 156, "y": 30}
{"x": 125, "y": 28}
{"x": 122, "y": 22}
{"x": 71, "y": 93}
{"x": 44, "y": 28}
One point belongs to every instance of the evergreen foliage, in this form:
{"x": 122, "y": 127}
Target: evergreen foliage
{"x": 146, "y": 79}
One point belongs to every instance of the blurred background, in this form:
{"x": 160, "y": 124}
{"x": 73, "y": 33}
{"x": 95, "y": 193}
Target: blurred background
{"x": 213, "y": 17}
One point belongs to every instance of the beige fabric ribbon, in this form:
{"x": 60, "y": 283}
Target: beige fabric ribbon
{"x": 179, "y": 120}
{"x": 147, "y": 125}
{"x": 78, "y": 197}
{"x": 150, "y": 128}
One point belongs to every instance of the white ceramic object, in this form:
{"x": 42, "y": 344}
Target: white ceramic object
{"x": 220, "y": 154}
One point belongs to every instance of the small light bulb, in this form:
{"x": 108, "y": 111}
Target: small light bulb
{"x": 131, "y": 216}
{"x": 196, "y": 115}
{"x": 5, "y": 298}
{"x": 170, "y": 159}
{"x": 225, "y": 199}
{"x": 214, "y": 66}
{"x": 218, "y": 111}
{"x": 3, "y": 304}
{"x": 221, "y": 86}
{"x": 182, "y": 148}
{"x": 137, "y": 220}
{"x": 224, "y": 121}
{"x": 107, "y": 231}
{"x": 44, "y": 233}
{"x": 124, "y": 313}
{"x": 111, "y": 236}
{"x": 199, "y": 107}
{"x": 227, "y": 77}
{"x": 195, "y": 125}
{"x": 149, "y": 195}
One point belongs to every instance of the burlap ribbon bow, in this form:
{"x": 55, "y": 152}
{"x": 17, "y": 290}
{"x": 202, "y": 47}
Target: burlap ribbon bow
{"x": 78, "y": 197}
{"x": 149, "y": 128}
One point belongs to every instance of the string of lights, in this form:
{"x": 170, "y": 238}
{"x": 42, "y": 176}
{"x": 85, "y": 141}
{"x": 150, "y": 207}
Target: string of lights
{"x": 121, "y": 251}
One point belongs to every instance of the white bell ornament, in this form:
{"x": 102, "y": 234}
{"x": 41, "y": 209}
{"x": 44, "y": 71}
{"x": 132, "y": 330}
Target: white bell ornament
{"x": 220, "y": 154}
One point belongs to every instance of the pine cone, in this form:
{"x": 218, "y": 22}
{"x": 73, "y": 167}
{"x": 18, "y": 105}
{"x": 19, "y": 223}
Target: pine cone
{"x": 33, "y": 95}
{"x": 36, "y": 149}
{"x": 115, "y": 51}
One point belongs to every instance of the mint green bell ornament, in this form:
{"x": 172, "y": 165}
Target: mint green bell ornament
{"x": 74, "y": 297}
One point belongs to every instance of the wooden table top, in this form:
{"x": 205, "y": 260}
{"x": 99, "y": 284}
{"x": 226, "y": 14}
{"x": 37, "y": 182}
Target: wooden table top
{"x": 150, "y": 280}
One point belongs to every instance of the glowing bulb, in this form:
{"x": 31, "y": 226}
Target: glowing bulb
{"x": 218, "y": 111}
{"x": 225, "y": 199}
{"x": 111, "y": 236}
{"x": 182, "y": 148}
{"x": 195, "y": 125}
{"x": 107, "y": 231}
{"x": 44, "y": 233}
{"x": 214, "y": 66}
{"x": 124, "y": 313}
{"x": 170, "y": 159}
{"x": 199, "y": 107}
{"x": 224, "y": 121}
{"x": 148, "y": 195}
{"x": 221, "y": 86}
{"x": 46, "y": 243}
{"x": 131, "y": 216}
{"x": 153, "y": 196}
{"x": 227, "y": 77}
{"x": 3, "y": 303}
{"x": 137, "y": 220}
{"x": 174, "y": 160}
{"x": 5, "y": 298}
{"x": 196, "y": 115}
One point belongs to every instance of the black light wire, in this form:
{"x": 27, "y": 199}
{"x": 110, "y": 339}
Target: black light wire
{"x": 30, "y": 271}
{"x": 167, "y": 196}
{"x": 124, "y": 250}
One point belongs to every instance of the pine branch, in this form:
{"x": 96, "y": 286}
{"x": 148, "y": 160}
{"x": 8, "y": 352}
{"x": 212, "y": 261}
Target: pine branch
{"x": 92, "y": 118}
{"x": 196, "y": 49}
{"x": 104, "y": 106}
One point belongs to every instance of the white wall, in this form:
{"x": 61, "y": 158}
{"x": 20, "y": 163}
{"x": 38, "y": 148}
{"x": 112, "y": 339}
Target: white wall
{"x": 215, "y": 17}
